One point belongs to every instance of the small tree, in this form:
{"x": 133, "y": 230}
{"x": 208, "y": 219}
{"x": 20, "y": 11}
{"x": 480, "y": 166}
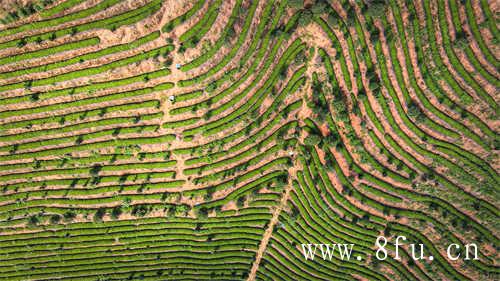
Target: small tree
{"x": 376, "y": 9}
{"x": 296, "y": 4}
{"x": 116, "y": 212}
{"x": 69, "y": 216}
{"x": 55, "y": 219}
{"x": 312, "y": 140}
{"x": 99, "y": 214}
{"x": 21, "y": 43}
{"x": 319, "y": 8}
{"x": 305, "y": 18}
{"x": 33, "y": 220}
{"x": 414, "y": 111}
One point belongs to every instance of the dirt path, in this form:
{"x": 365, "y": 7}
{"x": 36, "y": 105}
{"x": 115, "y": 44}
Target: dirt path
{"x": 269, "y": 231}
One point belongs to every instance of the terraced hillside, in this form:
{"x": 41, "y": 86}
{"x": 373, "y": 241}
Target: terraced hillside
{"x": 209, "y": 139}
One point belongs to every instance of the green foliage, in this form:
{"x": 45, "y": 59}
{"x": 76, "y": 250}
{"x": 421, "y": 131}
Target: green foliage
{"x": 312, "y": 140}
{"x": 305, "y": 18}
{"x": 296, "y": 4}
